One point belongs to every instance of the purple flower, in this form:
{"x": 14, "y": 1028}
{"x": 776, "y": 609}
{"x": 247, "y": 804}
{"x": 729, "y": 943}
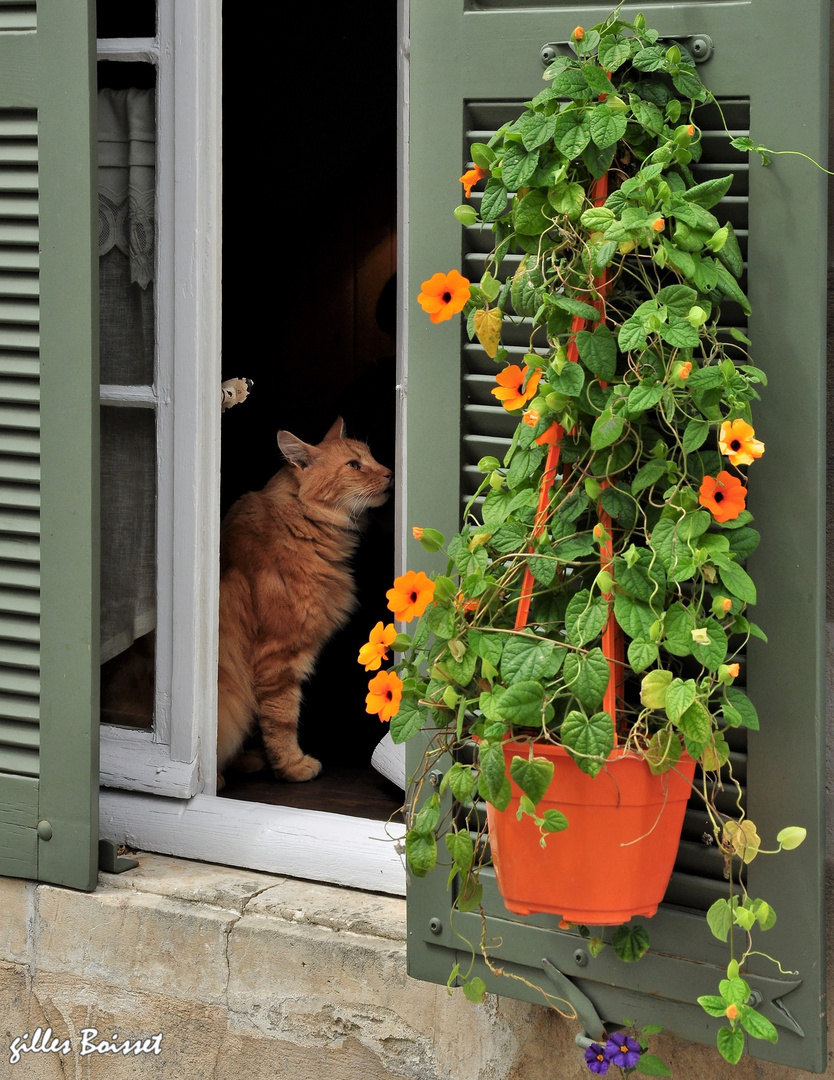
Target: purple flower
{"x": 622, "y": 1051}
{"x": 595, "y": 1059}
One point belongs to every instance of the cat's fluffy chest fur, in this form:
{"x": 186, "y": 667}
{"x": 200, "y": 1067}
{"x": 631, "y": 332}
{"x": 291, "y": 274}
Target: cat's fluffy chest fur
{"x": 286, "y": 586}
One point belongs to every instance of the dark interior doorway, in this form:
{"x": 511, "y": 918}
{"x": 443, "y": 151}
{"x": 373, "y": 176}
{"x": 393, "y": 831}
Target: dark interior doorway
{"x": 309, "y": 255}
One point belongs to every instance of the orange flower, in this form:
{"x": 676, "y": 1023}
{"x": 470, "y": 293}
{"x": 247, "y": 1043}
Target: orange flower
{"x": 737, "y": 441}
{"x": 375, "y": 650}
{"x": 733, "y": 670}
{"x": 416, "y": 532}
{"x": 690, "y": 129}
{"x": 578, "y": 34}
{"x": 411, "y": 595}
{"x": 731, "y": 1012}
{"x": 510, "y": 382}
{"x": 685, "y": 370}
{"x": 385, "y": 692}
{"x": 551, "y": 436}
{"x": 444, "y": 295}
{"x": 659, "y": 224}
{"x": 723, "y": 495}
{"x": 531, "y": 417}
{"x": 470, "y": 178}
{"x": 726, "y": 603}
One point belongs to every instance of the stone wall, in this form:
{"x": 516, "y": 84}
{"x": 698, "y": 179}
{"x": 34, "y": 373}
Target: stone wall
{"x": 247, "y": 975}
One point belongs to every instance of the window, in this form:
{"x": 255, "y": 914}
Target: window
{"x": 169, "y": 750}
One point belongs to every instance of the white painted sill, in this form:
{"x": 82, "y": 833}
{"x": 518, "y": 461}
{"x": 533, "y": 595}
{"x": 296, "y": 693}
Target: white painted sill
{"x": 331, "y": 848}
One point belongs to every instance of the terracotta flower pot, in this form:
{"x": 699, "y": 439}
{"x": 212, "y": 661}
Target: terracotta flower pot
{"x": 615, "y": 858}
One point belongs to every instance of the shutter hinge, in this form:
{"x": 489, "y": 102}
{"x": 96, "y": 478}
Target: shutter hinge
{"x": 699, "y": 46}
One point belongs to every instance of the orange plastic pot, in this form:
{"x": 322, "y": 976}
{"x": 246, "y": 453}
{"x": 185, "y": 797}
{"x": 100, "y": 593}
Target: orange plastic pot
{"x": 615, "y": 858}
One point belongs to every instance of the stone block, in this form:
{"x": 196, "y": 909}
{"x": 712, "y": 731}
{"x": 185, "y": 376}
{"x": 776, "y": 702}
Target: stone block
{"x": 134, "y": 939}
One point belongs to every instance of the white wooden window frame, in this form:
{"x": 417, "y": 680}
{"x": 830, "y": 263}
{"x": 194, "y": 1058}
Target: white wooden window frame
{"x": 158, "y": 788}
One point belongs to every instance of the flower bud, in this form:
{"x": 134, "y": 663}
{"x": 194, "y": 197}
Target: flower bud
{"x": 450, "y": 697}
{"x": 659, "y": 224}
{"x": 578, "y": 33}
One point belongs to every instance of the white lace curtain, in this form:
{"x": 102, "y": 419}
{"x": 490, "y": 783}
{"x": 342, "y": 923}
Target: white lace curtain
{"x": 126, "y": 181}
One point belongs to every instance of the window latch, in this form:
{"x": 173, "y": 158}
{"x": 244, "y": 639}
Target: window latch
{"x": 111, "y": 861}
{"x": 584, "y": 1008}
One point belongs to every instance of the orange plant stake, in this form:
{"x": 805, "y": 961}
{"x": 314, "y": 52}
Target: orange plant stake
{"x": 612, "y": 635}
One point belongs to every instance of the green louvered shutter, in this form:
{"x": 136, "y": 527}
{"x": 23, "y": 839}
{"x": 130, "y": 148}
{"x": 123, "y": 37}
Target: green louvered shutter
{"x": 48, "y": 469}
{"x": 472, "y": 65}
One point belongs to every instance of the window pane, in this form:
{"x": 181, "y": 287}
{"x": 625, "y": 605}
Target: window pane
{"x": 128, "y": 564}
{"x": 126, "y": 182}
{"x": 115, "y": 18}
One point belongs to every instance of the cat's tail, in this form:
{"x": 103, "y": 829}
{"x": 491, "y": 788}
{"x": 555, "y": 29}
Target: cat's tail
{"x": 236, "y": 702}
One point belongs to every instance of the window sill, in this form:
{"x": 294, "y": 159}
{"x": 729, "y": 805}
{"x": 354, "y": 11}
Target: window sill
{"x": 356, "y": 852}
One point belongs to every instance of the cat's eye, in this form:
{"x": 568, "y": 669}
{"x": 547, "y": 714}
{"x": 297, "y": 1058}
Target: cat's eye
{"x": 354, "y": 465}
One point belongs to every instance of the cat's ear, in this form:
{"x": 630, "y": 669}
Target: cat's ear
{"x": 297, "y": 453}
{"x": 337, "y": 431}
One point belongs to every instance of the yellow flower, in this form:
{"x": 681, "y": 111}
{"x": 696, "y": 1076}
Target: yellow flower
{"x": 444, "y": 295}
{"x": 411, "y": 595}
{"x": 375, "y": 650}
{"x": 510, "y": 382}
{"x": 470, "y": 178}
{"x": 723, "y": 495}
{"x": 737, "y": 441}
{"x": 385, "y": 692}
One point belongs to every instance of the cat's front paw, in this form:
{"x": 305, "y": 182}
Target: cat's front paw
{"x": 306, "y": 768}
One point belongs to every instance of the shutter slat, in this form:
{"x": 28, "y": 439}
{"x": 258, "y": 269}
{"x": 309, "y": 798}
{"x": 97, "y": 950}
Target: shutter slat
{"x": 23, "y": 417}
{"x": 15, "y": 18}
{"x": 18, "y": 232}
{"x": 19, "y": 707}
{"x": 20, "y": 522}
{"x": 19, "y": 469}
{"x": 19, "y": 311}
{"x": 19, "y": 549}
{"x": 19, "y": 337}
{"x": 18, "y": 760}
{"x": 18, "y": 205}
{"x": 18, "y": 628}
{"x": 19, "y": 390}
{"x": 19, "y": 442}
{"x": 13, "y": 258}
{"x": 22, "y": 601}
{"x": 19, "y": 681}
{"x": 19, "y": 285}
{"x": 20, "y": 495}
{"x": 20, "y": 655}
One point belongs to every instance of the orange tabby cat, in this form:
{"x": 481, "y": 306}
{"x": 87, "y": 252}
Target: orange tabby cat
{"x": 286, "y": 586}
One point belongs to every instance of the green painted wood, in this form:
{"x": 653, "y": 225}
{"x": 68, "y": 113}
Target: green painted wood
{"x": 48, "y": 447}
{"x": 488, "y": 53}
